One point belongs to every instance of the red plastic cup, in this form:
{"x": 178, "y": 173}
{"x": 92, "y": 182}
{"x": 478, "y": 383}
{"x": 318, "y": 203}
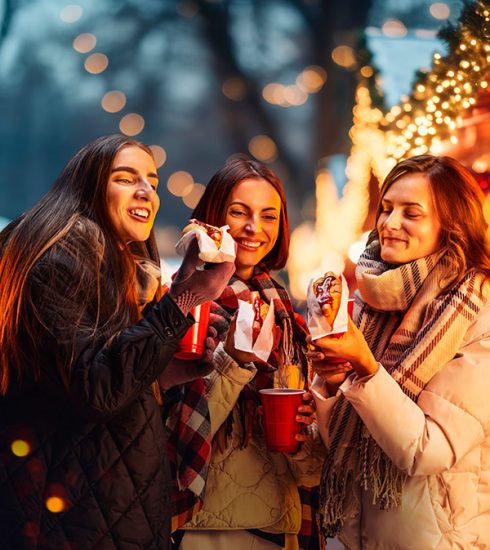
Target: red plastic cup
{"x": 191, "y": 346}
{"x": 280, "y": 406}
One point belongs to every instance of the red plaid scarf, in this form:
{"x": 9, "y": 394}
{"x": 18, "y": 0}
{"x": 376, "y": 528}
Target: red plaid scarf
{"x": 193, "y": 451}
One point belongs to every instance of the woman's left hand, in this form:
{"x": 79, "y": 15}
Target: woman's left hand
{"x": 306, "y": 415}
{"x": 352, "y": 347}
{"x": 180, "y": 371}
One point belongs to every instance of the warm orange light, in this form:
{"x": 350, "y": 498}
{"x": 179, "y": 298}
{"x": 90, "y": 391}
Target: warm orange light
{"x": 20, "y": 448}
{"x": 394, "y": 28}
{"x": 132, "y": 124}
{"x": 85, "y": 42}
{"x": 113, "y": 101}
{"x": 263, "y": 148}
{"x": 160, "y": 155}
{"x": 191, "y": 199}
{"x": 96, "y": 63}
{"x": 344, "y": 56}
{"x": 55, "y": 504}
{"x": 180, "y": 183}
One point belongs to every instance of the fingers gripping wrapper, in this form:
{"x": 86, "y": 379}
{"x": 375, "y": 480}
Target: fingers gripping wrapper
{"x": 191, "y": 287}
{"x": 215, "y": 244}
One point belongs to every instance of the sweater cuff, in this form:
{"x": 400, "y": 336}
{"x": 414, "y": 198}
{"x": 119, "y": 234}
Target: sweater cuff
{"x": 229, "y": 368}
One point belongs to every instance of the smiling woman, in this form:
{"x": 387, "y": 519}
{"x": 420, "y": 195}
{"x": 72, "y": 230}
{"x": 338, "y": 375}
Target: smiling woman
{"x": 253, "y": 497}
{"x": 84, "y": 334}
{"x": 408, "y": 433}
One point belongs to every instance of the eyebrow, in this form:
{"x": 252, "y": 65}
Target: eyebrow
{"x": 407, "y": 203}
{"x": 240, "y": 203}
{"x": 132, "y": 171}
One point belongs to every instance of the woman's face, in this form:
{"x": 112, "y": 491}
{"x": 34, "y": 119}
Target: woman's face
{"x": 253, "y": 214}
{"x": 408, "y": 225}
{"x": 132, "y": 199}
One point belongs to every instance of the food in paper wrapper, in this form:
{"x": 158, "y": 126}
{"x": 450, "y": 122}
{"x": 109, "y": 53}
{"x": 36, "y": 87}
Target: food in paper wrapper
{"x": 216, "y": 245}
{"x": 247, "y": 337}
{"x": 327, "y": 302}
{"x": 215, "y": 233}
{"x": 260, "y": 309}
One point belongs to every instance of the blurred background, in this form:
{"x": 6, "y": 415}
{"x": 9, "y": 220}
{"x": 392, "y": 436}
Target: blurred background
{"x": 329, "y": 93}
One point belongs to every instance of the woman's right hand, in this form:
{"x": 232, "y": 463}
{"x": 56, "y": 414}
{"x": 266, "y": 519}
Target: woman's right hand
{"x": 191, "y": 287}
{"x": 229, "y": 346}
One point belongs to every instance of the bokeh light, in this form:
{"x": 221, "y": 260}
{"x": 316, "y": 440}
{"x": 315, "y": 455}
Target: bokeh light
{"x": 312, "y": 79}
{"x": 71, "y": 13}
{"x": 113, "y": 101}
{"x": 439, "y": 10}
{"x": 160, "y": 155}
{"x": 84, "y": 43}
{"x": 366, "y": 71}
{"x": 394, "y": 28}
{"x": 96, "y": 63}
{"x": 180, "y": 183}
{"x": 132, "y": 124}
{"x": 234, "y": 88}
{"x": 263, "y": 148}
{"x": 344, "y": 56}
{"x": 191, "y": 199}
{"x": 55, "y": 504}
{"x": 20, "y": 448}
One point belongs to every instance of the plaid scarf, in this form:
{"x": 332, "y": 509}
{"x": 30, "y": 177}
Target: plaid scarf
{"x": 414, "y": 321}
{"x": 190, "y": 453}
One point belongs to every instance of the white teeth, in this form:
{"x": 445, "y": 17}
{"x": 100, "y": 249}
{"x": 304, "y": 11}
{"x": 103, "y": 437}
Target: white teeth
{"x": 251, "y": 244}
{"x": 140, "y": 212}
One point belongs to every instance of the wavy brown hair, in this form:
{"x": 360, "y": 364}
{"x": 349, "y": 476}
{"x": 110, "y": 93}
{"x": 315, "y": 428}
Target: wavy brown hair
{"x": 459, "y": 202}
{"x": 74, "y": 208}
{"x": 214, "y": 202}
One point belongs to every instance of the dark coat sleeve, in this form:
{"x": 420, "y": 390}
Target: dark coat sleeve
{"x": 98, "y": 375}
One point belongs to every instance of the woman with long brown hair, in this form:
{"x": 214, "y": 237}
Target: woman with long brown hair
{"x": 84, "y": 334}
{"x": 252, "y": 497}
{"x": 408, "y": 434}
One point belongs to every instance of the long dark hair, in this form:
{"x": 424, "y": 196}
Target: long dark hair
{"x": 459, "y": 203}
{"x": 214, "y": 202}
{"x": 75, "y": 204}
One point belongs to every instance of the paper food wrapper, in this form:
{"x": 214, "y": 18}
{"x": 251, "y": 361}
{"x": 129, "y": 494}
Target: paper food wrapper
{"x": 317, "y": 323}
{"x": 243, "y": 332}
{"x": 208, "y": 252}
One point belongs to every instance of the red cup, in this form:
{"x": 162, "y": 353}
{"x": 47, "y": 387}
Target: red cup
{"x": 280, "y": 407}
{"x": 191, "y": 346}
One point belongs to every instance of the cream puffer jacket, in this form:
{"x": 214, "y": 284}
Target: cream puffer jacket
{"x": 442, "y": 442}
{"x": 251, "y": 488}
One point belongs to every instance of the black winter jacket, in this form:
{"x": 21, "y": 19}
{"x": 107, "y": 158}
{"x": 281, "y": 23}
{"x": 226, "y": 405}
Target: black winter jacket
{"x": 95, "y": 475}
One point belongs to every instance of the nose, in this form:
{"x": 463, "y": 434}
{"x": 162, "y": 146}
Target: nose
{"x": 253, "y": 224}
{"x": 143, "y": 189}
{"x": 393, "y": 221}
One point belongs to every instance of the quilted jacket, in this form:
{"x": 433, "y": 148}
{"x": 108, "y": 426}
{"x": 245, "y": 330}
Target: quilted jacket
{"x": 251, "y": 488}
{"x": 83, "y": 463}
{"x": 442, "y": 442}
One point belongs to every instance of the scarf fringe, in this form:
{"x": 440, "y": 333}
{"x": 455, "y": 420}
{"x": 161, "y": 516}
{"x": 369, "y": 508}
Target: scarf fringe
{"x": 337, "y": 503}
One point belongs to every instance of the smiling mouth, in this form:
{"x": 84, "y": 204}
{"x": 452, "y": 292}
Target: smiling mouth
{"x": 393, "y": 240}
{"x": 141, "y": 214}
{"x": 249, "y": 245}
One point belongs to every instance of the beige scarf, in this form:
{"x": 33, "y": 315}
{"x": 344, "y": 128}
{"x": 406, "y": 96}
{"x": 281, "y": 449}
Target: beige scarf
{"x": 414, "y": 323}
